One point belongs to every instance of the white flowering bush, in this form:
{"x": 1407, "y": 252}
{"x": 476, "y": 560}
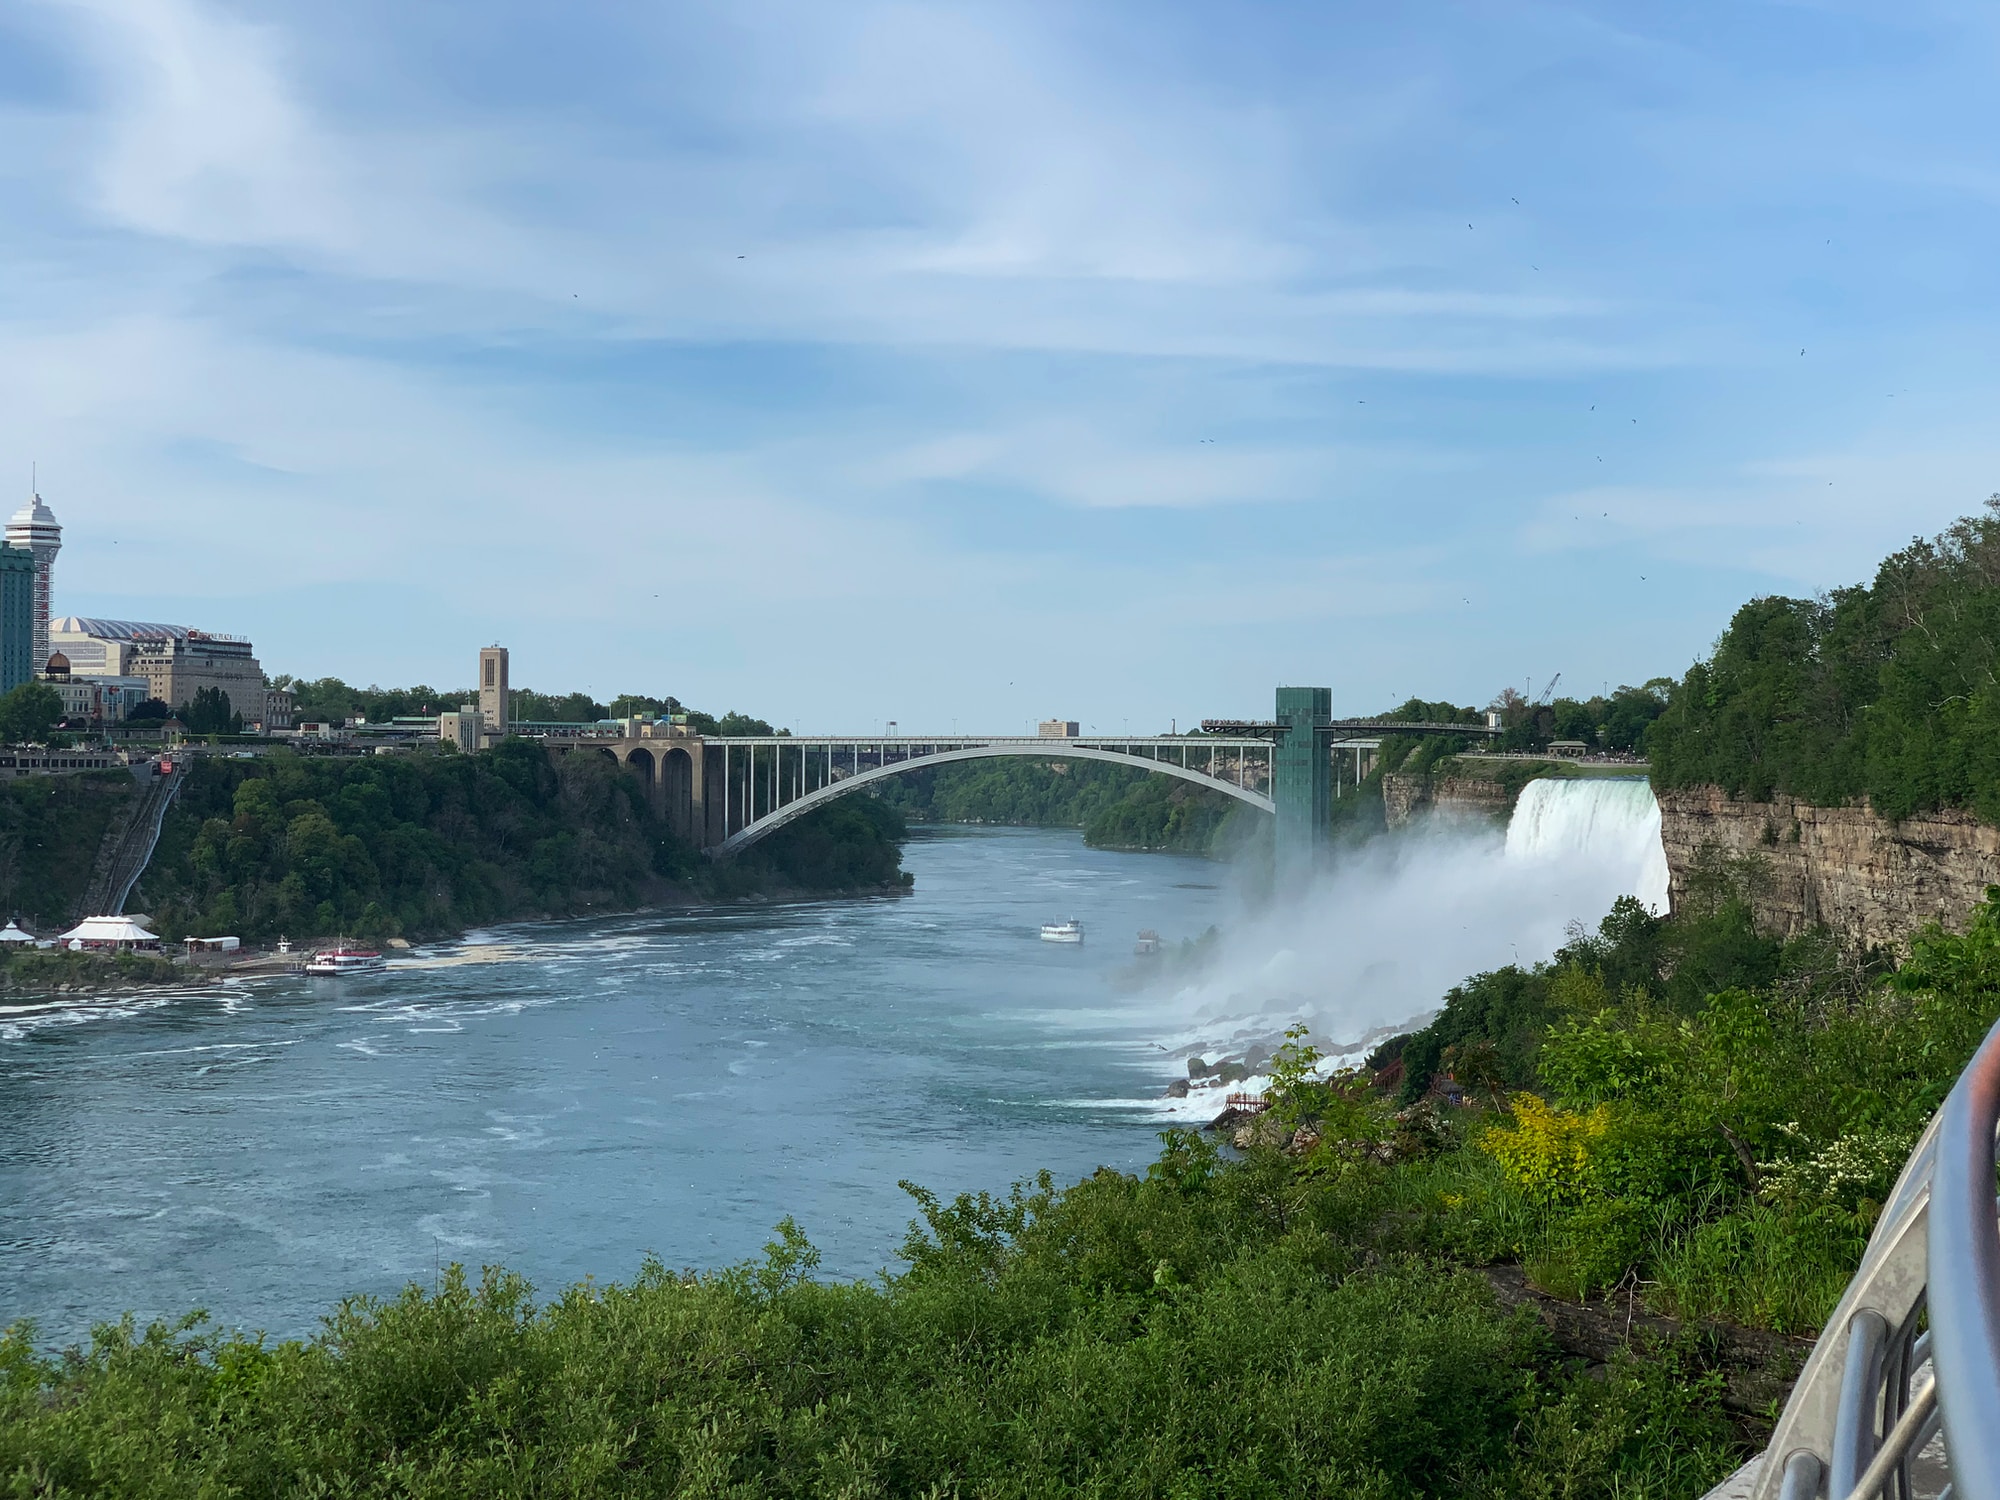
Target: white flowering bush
{"x": 1857, "y": 1169}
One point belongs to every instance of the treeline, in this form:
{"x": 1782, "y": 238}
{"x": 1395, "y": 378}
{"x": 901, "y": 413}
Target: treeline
{"x": 1116, "y": 807}
{"x": 1616, "y": 722}
{"x": 328, "y": 699}
{"x": 1886, "y": 690}
{"x": 434, "y": 842}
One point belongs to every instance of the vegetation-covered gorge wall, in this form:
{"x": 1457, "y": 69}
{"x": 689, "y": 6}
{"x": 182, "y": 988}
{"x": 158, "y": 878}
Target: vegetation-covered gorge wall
{"x": 1843, "y": 753}
{"x": 434, "y": 842}
{"x": 51, "y": 828}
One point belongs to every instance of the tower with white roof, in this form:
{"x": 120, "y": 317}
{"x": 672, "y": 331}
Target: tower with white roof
{"x": 34, "y": 529}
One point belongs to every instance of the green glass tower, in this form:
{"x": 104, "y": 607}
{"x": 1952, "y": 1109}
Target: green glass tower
{"x": 17, "y": 617}
{"x": 1302, "y": 779}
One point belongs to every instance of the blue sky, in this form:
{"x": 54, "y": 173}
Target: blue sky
{"x": 963, "y": 364}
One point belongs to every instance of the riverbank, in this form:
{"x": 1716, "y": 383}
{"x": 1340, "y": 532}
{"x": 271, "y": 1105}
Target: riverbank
{"x": 57, "y": 973}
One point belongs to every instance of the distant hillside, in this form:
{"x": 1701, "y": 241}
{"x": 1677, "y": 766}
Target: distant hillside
{"x": 1116, "y": 807}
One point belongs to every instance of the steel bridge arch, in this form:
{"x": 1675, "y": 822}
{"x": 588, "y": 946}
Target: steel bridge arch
{"x": 750, "y": 833}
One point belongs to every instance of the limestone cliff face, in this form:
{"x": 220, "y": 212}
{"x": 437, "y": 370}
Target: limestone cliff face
{"x": 1403, "y": 797}
{"x": 1870, "y": 880}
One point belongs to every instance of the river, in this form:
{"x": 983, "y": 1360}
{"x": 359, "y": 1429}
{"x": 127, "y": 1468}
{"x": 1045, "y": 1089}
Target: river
{"x": 567, "y": 1098}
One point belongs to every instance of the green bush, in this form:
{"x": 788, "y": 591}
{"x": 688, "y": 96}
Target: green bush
{"x": 1177, "y": 1334}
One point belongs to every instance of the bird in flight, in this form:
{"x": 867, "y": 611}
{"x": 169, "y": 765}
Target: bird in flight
{"x": 1517, "y": 200}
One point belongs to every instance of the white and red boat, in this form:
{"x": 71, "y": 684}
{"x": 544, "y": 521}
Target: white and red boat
{"x": 344, "y": 960}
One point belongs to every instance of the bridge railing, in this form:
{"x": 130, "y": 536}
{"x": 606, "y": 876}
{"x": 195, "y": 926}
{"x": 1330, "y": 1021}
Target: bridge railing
{"x": 1914, "y": 1346}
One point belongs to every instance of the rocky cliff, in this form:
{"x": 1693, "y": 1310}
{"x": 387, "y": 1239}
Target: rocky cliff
{"x": 1870, "y": 880}
{"x": 1403, "y": 797}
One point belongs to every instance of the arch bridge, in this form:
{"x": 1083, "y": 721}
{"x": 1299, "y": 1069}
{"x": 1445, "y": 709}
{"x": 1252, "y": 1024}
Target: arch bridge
{"x": 724, "y": 793}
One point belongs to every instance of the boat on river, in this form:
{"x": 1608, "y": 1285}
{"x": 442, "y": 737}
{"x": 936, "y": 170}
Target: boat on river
{"x": 1062, "y": 932}
{"x": 344, "y": 960}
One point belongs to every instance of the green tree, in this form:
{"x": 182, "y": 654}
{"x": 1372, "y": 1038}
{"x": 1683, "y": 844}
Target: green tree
{"x": 210, "y": 713}
{"x": 29, "y": 712}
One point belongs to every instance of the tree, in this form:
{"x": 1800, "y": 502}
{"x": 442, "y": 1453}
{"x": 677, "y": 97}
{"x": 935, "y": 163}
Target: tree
{"x": 152, "y": 708}
{"x": 210, "y": 713}
{"x": 626, "y": 705}
{"x": 29, "y": 712}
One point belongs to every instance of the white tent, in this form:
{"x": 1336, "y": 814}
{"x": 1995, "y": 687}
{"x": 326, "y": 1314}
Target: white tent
{"x": 12, "y": 933}
{"x": 108, "y": 932}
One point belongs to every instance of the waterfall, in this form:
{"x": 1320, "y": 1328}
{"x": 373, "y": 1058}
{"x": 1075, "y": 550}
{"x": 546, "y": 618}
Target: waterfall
{"x": 1609, "y": 821}
{"x": 1381, "y": 935}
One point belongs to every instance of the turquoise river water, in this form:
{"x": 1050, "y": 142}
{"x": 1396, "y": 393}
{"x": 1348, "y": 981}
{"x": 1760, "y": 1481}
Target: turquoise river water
{"x": 566, "y": 1098}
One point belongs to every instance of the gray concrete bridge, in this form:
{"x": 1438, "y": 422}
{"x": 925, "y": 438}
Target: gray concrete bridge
{"x": 723, "y": 793}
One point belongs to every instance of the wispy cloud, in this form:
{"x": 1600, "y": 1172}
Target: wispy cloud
{"x": 986, "y": 329}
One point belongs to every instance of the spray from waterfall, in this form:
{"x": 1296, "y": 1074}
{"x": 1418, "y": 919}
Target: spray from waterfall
{"x": 1374, "y": 944}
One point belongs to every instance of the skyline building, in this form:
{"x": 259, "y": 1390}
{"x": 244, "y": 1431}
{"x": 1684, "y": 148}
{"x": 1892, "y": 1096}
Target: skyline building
{"x": 17, "y": 618}
{"x": 33, "y": 529}
{"x": 177, "y": 662}
{"x": 494, "y": 708}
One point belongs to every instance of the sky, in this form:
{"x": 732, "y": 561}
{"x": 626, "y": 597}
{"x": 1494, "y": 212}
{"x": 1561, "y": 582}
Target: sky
{"x": 968, "y": 364}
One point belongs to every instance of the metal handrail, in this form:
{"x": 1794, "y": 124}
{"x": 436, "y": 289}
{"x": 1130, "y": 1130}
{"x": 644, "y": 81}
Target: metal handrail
{"x": 1858, "y": 1415}
{"x": 1965, "y": 1276}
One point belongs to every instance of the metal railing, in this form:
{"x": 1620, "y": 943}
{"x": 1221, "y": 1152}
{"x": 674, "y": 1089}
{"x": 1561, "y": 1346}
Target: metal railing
{"x": 1914, "y": 1346}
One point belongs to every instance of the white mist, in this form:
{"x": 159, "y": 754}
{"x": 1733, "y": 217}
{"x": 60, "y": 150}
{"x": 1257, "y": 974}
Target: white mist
{"x": 1378, "y": 939}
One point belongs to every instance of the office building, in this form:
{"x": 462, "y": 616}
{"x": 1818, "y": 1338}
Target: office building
{"x": 464, "y": 729}
{"x": 176, "y": 661}
{"x": 17, "y": 618}
{"x": 34, "y": 530}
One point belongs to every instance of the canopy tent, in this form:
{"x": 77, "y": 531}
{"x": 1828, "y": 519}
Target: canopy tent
{"x": 12, "y": 933}
{"x": 108, "y": 932}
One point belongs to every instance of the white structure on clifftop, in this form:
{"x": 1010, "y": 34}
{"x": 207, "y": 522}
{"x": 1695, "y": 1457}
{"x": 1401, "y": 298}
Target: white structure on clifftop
{"x": 34, "y": 529}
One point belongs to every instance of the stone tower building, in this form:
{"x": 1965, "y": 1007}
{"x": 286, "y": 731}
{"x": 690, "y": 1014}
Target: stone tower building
{"x": 493, "y": 712}
{"x": 33, "y": 529}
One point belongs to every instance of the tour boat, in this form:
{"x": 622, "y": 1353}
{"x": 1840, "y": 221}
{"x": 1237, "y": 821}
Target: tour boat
{"x": 1149, "y": 942}
{"x": 343, "y": 960}
{"x": 1062, "y": 932}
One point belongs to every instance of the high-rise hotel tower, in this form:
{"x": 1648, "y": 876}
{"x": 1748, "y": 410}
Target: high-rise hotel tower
{"x": 34, "y": 529}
